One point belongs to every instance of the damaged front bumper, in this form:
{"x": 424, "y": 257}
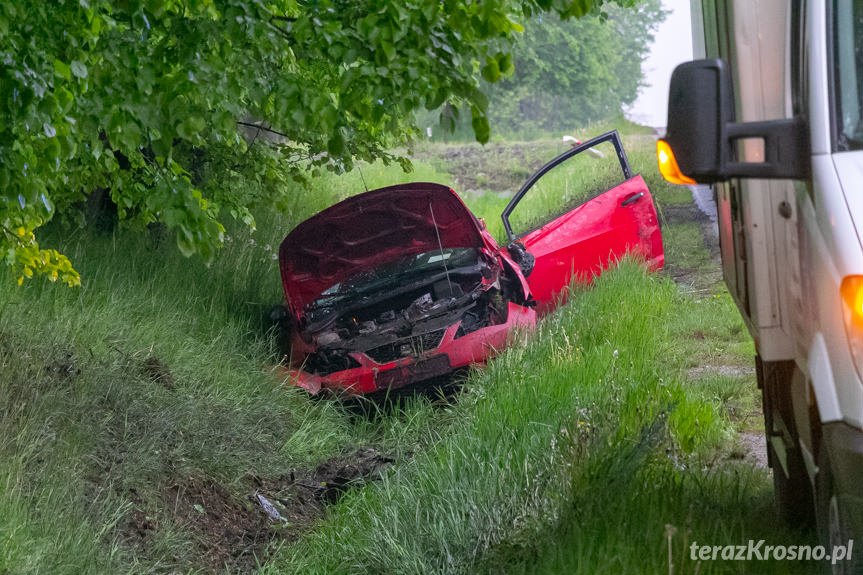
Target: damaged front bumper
{"x": 451, "y": 354}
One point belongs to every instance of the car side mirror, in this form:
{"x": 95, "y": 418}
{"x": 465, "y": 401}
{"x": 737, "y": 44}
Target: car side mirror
{"x": 701, "y": 140}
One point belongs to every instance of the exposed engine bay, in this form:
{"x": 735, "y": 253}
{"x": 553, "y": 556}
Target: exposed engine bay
{"x": 403, "y": 284}
{"x": 403, "y": 309}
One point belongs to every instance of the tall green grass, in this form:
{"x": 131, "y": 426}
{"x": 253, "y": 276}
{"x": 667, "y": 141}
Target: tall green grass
{"x": 588, "y": 383}
{"x": 156, "y": 369}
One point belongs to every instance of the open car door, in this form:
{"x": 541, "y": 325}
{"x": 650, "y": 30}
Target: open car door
{"x": 579, "y": 213}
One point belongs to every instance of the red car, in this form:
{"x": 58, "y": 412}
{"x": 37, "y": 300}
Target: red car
{"x": 402, "y": 284}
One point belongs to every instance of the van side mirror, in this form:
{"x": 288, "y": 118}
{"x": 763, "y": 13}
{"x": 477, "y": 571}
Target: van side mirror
{"x": 699, "y": 106}
{"x": 702, "y": 137}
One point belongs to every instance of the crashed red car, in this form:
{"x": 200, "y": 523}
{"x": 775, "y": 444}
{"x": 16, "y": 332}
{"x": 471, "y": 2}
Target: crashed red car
{"x": 403, "y": 284}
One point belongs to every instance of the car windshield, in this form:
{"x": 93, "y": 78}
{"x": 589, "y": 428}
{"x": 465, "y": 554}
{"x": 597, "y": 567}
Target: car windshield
{"x": 394, "y": 272}
{"x": 848, "y": 66}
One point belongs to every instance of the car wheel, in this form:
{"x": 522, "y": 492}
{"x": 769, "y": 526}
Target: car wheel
{"x": 833, "y": 525}
{"x": 281, "y": 322}
{"x": 793, "y": 492}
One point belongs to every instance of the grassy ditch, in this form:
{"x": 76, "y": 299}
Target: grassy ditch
{"x": 139, "y": 421}
{"x": 519, "y": 426}
{"x": 609, "y": 440}
{"x": 585, "y": 424}
{"x": 139, "y": 418}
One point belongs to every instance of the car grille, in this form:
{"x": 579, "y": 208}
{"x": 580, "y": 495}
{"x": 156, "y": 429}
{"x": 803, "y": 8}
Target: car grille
{"x": 418, "y": 344}
{"x": 325, "y": 363}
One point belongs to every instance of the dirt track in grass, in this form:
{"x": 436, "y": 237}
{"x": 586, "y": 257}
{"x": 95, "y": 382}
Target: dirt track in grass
{"x": 498, "y": 168}
{"x": 238, "y": 533}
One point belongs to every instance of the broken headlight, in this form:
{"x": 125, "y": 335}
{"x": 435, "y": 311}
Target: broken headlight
{"x": 325, "y": 362}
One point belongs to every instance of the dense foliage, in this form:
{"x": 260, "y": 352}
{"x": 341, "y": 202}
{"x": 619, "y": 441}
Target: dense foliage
{"x": 569, "y": 73}
{"x": 163, "y": 104}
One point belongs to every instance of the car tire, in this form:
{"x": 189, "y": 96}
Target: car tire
{"x": 832, "y": 519}
{"x": 792, "y": 492}
{"x": 281, "y": 322}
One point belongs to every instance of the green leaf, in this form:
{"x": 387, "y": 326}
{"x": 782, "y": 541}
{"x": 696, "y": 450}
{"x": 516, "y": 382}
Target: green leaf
{"x": 436, "y": 100}
{"x": 190, "y": 127}
{"x": 78, "y": 69}
{"x": 65, "y": 99}
{"x": 479, "y": 99}
{"x": 185, "y": 245}
{"x": 389, "y": 50}
{"x": 505, "y": 64}
{"x": 53, "y": 149}
{"x": 481, "y": 128}
{"x": 491, "y": 71}
{"x": 62, "y": 70}
{"x": 336, "y": 145}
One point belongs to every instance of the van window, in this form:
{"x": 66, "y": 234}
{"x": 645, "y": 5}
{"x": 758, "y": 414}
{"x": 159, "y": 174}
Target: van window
{"x": 848, "y": 72}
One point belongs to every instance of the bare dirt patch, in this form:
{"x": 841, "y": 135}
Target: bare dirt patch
{"x": 156, "y": 371}
{"x": 503, "y": 167}
{"x": 722, "y": 370}
{"x": 752, "y": 448}
{"x": 229, "y": 532}
{"x": 235, "y": 529}
{"x": 339, "y": 474}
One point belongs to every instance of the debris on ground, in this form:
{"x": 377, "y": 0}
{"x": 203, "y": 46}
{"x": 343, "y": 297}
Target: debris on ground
{"x": 269, "y": 508}
{"x": 63, "y": 368}
{"x": 237, "y": 532}
{"x": 337, "y": 475}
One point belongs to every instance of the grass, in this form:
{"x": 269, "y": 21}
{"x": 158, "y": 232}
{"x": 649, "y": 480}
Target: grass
{"x": 152, "y": 372}
{"x": 518, "y": 429}
{"x": 554, "y": 449}
{"x": 560, "y": 443}
{"x": 120, "y": 399}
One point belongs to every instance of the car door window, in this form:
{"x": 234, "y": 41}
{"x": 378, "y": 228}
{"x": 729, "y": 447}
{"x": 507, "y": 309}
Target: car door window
{"x": 568, "y": 181}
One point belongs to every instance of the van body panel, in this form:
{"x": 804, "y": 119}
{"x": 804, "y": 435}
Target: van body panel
{"x": 759, "y": 262}
{"x": 787, "y": 246}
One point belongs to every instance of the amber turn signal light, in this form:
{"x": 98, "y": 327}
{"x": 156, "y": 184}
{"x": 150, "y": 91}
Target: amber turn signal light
{"x": 668, "y": 165}
{"x": 852, "y": 295}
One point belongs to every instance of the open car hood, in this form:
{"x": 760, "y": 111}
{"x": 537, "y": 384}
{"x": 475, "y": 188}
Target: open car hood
{"x": 368, "y": 230}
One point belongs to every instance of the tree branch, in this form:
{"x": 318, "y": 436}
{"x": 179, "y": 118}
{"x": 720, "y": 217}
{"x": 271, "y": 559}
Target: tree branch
{"x": 287, "y": 35}
{"x": 264, "y": 128}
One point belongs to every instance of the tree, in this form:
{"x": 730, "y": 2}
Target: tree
{"x": 571, "y": 72}
{"x": 163, "y": 103}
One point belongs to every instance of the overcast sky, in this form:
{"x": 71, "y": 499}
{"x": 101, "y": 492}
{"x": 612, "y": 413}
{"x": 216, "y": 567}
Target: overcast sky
{"x": 672, "y": 45}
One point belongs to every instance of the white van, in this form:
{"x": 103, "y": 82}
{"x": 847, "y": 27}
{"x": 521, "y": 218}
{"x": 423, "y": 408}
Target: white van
{"x": 772, "y": 116}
